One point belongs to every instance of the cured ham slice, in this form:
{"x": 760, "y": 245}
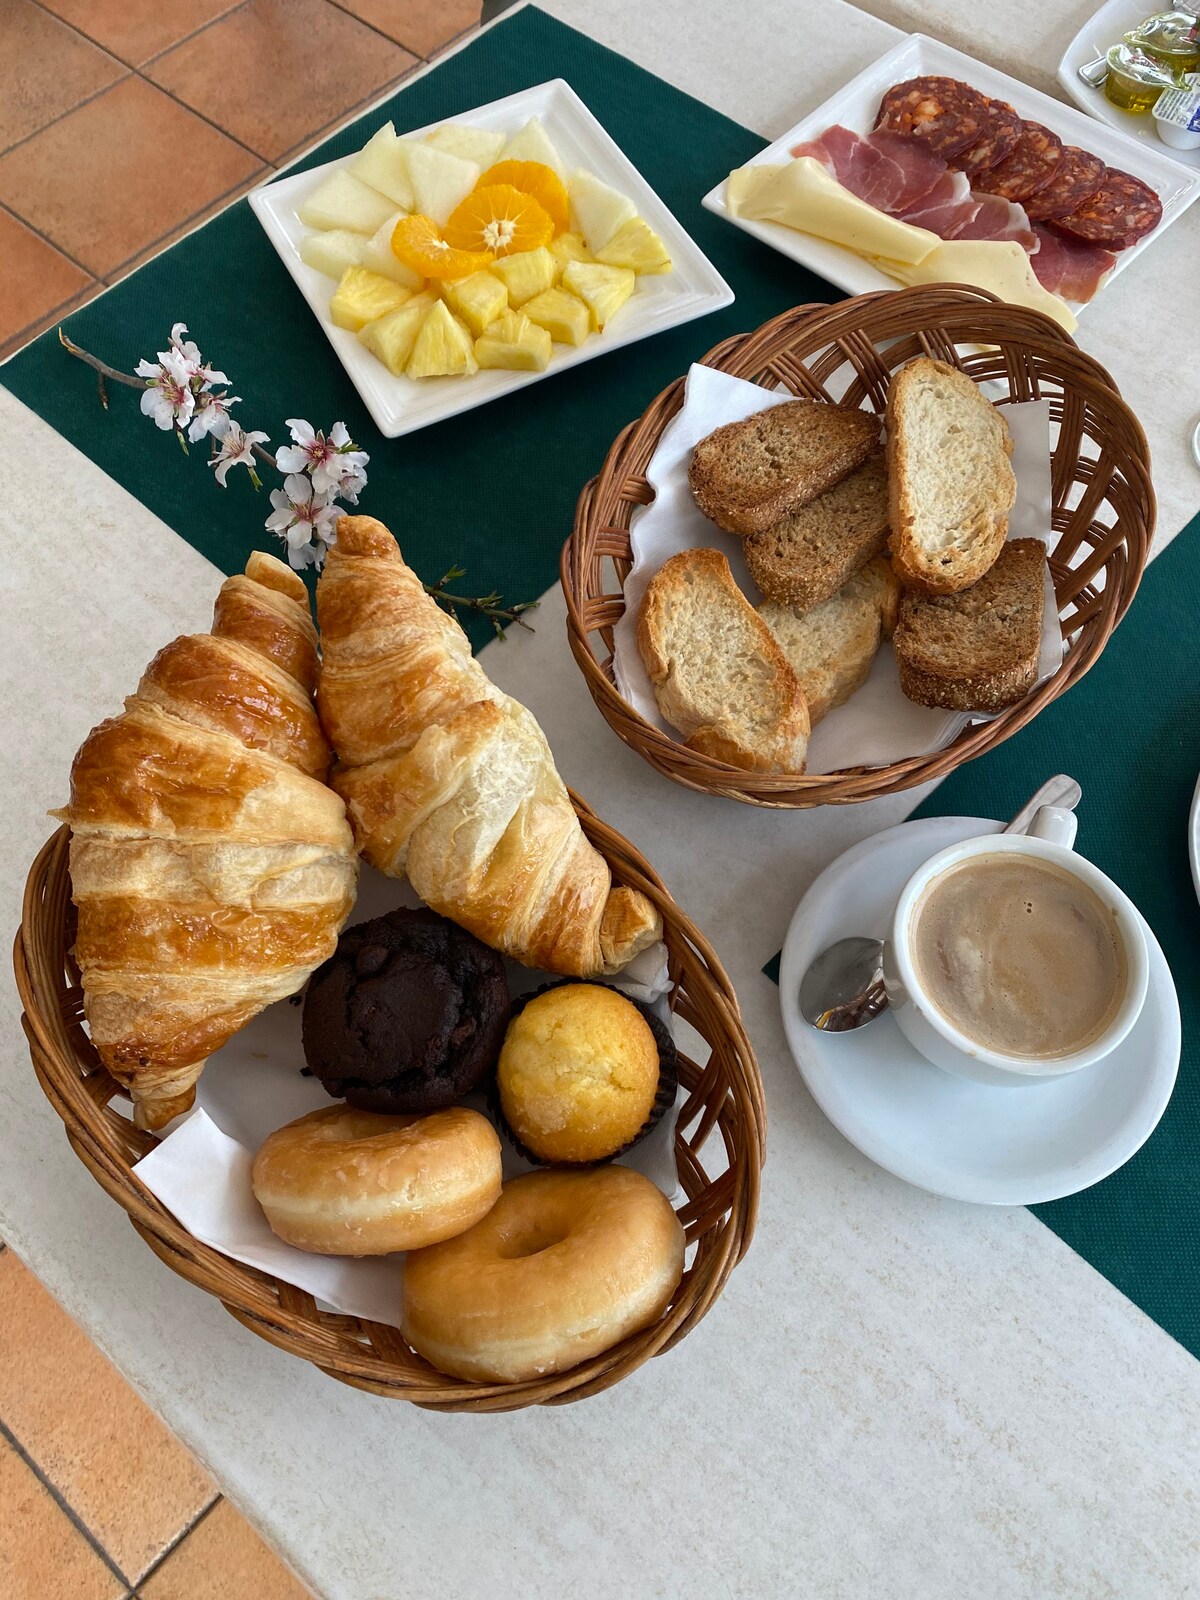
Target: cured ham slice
{"x": 997, "y": 219}
{"x": 858, "y": 166}
{"x": 921, "y": 167}
{"x": 1069, "y": 267}
{"x": 948, "y": 205}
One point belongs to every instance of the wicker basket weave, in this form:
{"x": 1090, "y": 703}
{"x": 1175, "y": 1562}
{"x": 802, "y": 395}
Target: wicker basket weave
{"x": 1103, "y": 503}
{"x": 724, "y": 1095}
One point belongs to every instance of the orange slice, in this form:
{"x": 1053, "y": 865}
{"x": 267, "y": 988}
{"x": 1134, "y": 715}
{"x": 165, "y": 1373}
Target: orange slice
{"x": 500, "y": 219}
{"x": 538, "y": 180}
{"x": 417, "y": 242}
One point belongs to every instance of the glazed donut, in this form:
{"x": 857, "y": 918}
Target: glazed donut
{"x": 564, "y": 1265}
{"x": 341, "y": 1182}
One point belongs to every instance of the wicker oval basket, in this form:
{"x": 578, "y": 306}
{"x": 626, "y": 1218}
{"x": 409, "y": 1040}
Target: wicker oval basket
{"x": 724, "y": 1095}
{"x": 1103, "y": 503}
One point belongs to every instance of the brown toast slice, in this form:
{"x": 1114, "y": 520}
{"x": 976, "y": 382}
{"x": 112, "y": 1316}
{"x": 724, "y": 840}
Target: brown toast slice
{"x": 977, "y": 650}
{"x": 748, "y": 474}
{"x": 832, "y": 645}
{"x": 809, "y": 554}
{"x": 950, "y": 482}
{"x": 718, "y": 674}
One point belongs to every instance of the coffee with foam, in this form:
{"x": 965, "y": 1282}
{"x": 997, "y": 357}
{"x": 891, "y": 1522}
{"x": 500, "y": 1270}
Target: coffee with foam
{"x": 1019, "y": 955}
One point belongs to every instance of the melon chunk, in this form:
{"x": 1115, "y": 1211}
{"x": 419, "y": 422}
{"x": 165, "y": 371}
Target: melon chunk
{"x": 533, "y": 143}
{"x": 380, "y": 257}
{"x": 599, "y": 209}
{"x": 472, "y": 144}
{"x": 343, "y": 201}
{"x": 440, "y": 181}
{"x": 382, "y": 163}
{"x": 332, "y": 252}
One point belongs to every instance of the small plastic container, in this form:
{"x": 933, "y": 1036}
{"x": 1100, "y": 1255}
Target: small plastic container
{"x": 1171, "y": 37}
{"x": 1135, "y": 80}
{"x": 1177, "y": 115}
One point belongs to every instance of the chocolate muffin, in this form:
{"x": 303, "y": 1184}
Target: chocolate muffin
{"x": 407, "y": 1015}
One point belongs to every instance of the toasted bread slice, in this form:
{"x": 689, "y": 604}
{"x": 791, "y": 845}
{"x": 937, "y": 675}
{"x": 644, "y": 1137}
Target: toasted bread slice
{"x": 977, "y": 650}
{"x": 831, "y": 647}
{"x": 950, "y": 482}
{"x": 718, "y": 674}
{"x": 809, "y": 554}
{"x": 748, "y": 474}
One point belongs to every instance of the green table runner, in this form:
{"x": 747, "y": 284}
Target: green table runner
{"x": 495, "y": 489}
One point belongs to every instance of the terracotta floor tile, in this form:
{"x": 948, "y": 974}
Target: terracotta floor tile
{"x": 59, "y": 314}
{"x": 221, "y": 1558}
{"x": 37, "y": 279}
{"x": 277, "y": 70}
{"x": 119, "y": 1468}
{"x": 43, "y": 1556}
{"x": 420, "y": 25}
{"x": 135, "y": 30}
{"x": 126, "y": 267}
{"x": 45, "y": 69}
{"x": 109, "y": 179}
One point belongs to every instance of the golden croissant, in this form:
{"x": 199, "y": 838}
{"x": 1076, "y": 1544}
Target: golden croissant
{"x": 211, "y": 865}
{"x": 450, "y": 782}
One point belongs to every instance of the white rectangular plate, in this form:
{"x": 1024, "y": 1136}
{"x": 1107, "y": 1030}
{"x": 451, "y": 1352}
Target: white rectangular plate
{"x": 401, "y": 405}
{"x": 855, "y": 106}
{"x": 1103, "y": 28}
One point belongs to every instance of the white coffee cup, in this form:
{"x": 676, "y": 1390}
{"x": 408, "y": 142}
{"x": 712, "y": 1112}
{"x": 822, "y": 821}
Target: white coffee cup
{"x": 1050, "y": 838}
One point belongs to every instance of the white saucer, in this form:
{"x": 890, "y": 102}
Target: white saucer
{"x": 966, "y": 1141}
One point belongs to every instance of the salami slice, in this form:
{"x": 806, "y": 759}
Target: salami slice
{"x": 1076, "y": 176}
{"x": 945, "y": 115}
{"x": 1028, "y": 167}
{"x": 1116, "y": 215}
{"x": 998, "y": 139}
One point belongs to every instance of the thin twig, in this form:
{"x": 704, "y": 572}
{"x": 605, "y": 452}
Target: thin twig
{"x": 99, "y": 366}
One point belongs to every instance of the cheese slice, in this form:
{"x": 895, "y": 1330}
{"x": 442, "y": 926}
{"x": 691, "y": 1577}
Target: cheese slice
{"x": 1000, "y": 265}
{"x": 743, "y": 181}
{"x": 804, "y": 196}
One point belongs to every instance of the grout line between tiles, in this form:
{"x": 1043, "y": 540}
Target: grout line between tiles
{"x": 45, "y": 238}
{"x": 232, "y": 137}
{"x": 63, "y": 1505}
{"x": 346, "y": 11}
{"x": 188, "y": 37}
{"x": 78, "y": 106}
{"x": 123, "y": 269}
{"x": 166, "y": 1554}
{"x": 134, "y": 66}
{"x": 18, "y": 340}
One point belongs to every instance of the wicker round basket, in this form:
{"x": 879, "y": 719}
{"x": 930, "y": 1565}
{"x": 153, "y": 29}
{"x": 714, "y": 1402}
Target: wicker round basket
{"x": 724, "y": 1095}
{"x": 1102, "y": 521}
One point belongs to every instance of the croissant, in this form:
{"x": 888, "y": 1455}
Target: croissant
{"x": 211, "y": 865}
{"x": 449, "y": 781}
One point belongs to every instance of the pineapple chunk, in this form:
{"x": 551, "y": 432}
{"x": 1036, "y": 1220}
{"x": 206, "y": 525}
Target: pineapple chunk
{"x": 637, "y": 246}
{"x": 472, "y": 144}
{"x": 342, "y": 201}
{"x": 381, "y": 162}
{"x": 598, "y": 209}
{"x": 604, "y": 290}
{"x": 570, "y": 247}
{"x": 380, "y": 258}
{"x": 532, "y": 143}
{"x": 564, "y": 318}
{"x": 392, "y": 337}
{"x": 443, "y": 348}
{"x": 514, "y": 342}
{"x": 478, "y": 300}
{"x": 527, "y": 273}
{"x": 440, "y": 181}
{"x": 362, "y": 296}
{"x": 332, "y": 252}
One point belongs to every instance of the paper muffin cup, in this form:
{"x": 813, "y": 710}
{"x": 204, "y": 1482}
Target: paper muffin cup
{"x": 664, "y": 1099}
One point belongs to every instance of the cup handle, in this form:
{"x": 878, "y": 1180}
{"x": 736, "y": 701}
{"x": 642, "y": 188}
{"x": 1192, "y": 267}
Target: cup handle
{"x": 1055, "y": 825}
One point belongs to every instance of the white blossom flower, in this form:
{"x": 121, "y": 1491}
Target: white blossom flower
{"x": 200, "y": 375}
{"x": 168, "y": 397}
{"x": 211, "y": 414}
{"x": 237, "y": 450}
{"x": 333, "y": 463}
{"x": 305, "y": 519}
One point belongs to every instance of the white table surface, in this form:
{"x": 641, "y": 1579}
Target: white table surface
{"x": 897, "y": 1396}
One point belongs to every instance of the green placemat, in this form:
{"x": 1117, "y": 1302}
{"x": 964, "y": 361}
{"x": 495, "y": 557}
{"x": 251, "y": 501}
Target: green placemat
{"x": 494, "y": 489}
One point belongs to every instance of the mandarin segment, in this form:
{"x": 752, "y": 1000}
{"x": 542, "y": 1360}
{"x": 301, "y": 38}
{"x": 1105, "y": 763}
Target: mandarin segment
{"x": 418, "y": 243}
{"x": 538, "y": 180}
{"x": 500, "y": 220}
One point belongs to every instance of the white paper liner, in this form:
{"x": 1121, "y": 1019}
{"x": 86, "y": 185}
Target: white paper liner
{"x": 201, "y": 1168}
{"x": 879, "y": 724}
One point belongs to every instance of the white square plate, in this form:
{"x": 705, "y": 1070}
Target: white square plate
{"x": 855, "y": 107}
{"x": 1103, "y": 28}
{"x": 693, "y": 288}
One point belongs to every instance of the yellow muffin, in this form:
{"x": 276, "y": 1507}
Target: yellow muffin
{"x": 578, "y": 1073}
